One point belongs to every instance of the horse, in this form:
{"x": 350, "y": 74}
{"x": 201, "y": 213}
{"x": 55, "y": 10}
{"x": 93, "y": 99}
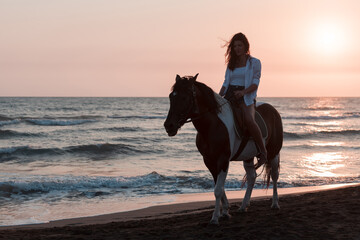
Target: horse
{"x": 216, "y": 140}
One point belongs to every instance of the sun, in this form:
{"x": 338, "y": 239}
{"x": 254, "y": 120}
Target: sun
{"x": 328, "y": 38}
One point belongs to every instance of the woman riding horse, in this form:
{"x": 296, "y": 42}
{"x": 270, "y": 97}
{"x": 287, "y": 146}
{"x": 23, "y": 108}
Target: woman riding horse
{"x": 241, "y": 82}
{"x": 217, "y": 141}
{"x": 212, "y": 117}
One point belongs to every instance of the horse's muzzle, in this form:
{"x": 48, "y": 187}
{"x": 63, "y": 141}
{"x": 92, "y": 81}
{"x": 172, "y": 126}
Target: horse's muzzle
{"x": 170, "y": 128}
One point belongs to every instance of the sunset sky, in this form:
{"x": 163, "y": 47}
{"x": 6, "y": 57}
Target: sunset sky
{"x": 136, "y": 48}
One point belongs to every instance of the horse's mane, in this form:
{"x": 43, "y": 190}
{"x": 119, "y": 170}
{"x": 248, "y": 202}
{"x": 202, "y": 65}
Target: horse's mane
{"x": 209, "y": 96}
{"x": 206, "y": 92}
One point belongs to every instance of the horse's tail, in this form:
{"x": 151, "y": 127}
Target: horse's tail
{"x": 275, "y": 137}
{"x": 268, "y": 171}
{"x": 267, "y": 175}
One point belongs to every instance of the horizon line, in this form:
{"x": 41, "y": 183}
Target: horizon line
{"x": 167, "y": 97}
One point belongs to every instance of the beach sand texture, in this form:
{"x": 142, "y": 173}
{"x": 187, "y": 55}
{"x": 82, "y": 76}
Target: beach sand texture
{"x": 330, "y": 214}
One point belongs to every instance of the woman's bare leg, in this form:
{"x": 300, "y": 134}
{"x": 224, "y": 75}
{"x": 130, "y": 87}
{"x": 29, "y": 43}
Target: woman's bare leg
{"x": 254, "y": 130}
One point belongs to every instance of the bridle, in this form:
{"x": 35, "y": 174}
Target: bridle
{"x": 195, "y": 106}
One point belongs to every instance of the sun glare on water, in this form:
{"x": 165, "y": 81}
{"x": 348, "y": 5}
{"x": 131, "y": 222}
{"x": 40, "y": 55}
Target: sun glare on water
{"x": 324, "y": 164}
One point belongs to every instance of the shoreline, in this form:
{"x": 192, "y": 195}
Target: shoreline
{"x": 194, "y": 202}
{"x": 332, "y": 213}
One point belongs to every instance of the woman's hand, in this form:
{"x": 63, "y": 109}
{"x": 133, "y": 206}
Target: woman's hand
{"x": 222, "y": 91}
{"x": 239, "y": 94}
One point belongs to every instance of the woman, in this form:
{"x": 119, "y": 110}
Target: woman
{"x": 242, "y": 79}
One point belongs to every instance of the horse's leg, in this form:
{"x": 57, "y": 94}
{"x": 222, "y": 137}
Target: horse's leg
{"x": 251, "y": 176}
{"x": 275, "y": 176}
{"x": 219, "y": 193}
{"x": 225, "y": 207}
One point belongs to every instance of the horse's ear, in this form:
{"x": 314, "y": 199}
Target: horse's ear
{"x": 193, "y": 79}
{"x": 177, "y": 77}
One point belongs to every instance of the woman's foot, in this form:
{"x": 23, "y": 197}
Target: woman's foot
{"x": 262, "y": 159}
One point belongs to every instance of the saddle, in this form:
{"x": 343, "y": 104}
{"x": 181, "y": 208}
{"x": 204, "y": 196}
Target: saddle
{"x": 240, "y": 127}
{"x": 241, "y": 130}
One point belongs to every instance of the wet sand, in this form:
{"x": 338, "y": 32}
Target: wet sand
{"x": 321, "y": 214}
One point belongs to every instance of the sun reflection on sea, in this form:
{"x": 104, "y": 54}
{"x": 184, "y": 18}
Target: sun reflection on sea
{"x": 323, "y": 164}
{"x": 324, "y": 103}
{"x": 326, "y": 144}
{"x": 327, "y": 123}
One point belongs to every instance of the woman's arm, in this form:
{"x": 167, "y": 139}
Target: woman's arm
{"x": 241, "y": 93}
{"x": 226, "y": 83}
{"x": 222, "y": 91}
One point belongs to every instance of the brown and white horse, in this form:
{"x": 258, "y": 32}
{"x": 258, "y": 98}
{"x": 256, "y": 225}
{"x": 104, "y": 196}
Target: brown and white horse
{"x": 216, "y": 140}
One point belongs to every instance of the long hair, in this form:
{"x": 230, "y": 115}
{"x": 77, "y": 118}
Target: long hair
{"x": 230, "y": 56}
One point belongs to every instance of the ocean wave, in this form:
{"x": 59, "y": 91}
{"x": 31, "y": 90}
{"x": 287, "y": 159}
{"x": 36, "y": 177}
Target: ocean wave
{"x": 152, "y": 183}
{"x": 124, "y": 129}
{"x": 9, "y": 122}
{"x": 318, "y": 181}
{"x": 327, "y": 117}
{"x": 357, "y": 114}
{"x": 43, "y": 184}
{"x": 5, "y": 118}
{"x": 80, "y": 117}
{"x": 327, "y": 147}
{"x": 92, "y": 151}
{"x": 70, "y": 186}
{"x": 314, "y": 124}
{"x": 59, "y": 122}
{"x": 105, "y": 148}
{"x": 320, "y": 108}
{"x": 291, "y": 135}
{"x": 137, "y": 117}
{"x": 11, "y": 152}
{"x": 51, "y": 121}
{"x": 10, "y": 133}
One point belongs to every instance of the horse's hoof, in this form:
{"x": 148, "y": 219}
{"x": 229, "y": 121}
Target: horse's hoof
{"x": 242, "y": 210}
{"x": 214, "y": 222}
{"x": 225, "y": 216}
{"x": 275, "y": 207}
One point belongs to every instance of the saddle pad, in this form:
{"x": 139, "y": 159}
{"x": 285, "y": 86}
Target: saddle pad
{"x": 226, "y": 107}
{"x": 261, "y": 123}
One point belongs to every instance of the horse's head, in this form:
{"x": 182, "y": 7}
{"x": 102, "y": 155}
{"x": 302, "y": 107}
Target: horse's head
{"x": 182, "y": 104}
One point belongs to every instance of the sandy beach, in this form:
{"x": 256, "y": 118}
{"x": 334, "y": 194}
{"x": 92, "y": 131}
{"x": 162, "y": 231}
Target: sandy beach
{"x": 321, "y": 214}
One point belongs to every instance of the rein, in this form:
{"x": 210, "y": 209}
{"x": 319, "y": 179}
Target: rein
{"x": 201, "y": 114}
{"x": 197, "y": 108}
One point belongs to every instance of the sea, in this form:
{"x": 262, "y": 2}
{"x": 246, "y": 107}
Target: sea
{"x": 73, "y": 157}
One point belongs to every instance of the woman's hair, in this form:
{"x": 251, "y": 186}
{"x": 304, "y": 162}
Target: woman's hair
{"x": 230, "y": 56}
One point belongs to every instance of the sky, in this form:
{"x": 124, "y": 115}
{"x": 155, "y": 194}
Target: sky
{"x": 116, "y": 48}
